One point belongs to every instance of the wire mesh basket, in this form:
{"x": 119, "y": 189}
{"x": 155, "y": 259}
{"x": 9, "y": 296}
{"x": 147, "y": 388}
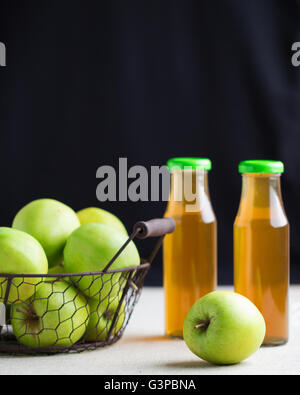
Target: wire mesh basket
{"x": 60, "y": 318}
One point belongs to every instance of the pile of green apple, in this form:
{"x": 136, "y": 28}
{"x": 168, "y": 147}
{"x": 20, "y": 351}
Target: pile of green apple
{"x": 48, "y": 237}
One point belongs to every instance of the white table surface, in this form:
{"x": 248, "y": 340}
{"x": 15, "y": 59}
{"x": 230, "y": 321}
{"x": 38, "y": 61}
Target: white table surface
{"x": 144, "y": 350}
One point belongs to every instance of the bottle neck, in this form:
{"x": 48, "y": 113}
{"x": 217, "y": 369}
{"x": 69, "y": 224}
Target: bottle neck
{"x": 189, "y": 192}
{"x": 261, "y": 196}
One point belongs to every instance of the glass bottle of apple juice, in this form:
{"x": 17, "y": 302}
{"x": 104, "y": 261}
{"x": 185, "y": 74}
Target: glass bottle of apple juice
{"x": 190, "y": 253}
{"x": 261, "y": 246}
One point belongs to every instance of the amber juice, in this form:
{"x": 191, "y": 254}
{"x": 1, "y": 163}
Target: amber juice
{"x": 261, "y": 252}
{"x": 190, "y": 253}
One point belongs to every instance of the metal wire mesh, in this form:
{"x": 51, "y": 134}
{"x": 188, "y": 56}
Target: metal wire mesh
{"x": 68, "y": 313}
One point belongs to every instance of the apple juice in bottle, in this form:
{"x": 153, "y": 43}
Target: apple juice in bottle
{"x": 261, "y": 246}
{"x": 190, "y": 253}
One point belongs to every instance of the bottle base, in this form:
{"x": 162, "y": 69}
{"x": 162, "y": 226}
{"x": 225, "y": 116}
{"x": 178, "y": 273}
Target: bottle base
{"x": 274, "y": 342}
{"x": 175, "y": 335}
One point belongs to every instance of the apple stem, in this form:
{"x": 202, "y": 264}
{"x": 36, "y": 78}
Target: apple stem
{"x": 21, "y": 311}
{"x": 29, "y": 312}
{"x": 201, "y": 325}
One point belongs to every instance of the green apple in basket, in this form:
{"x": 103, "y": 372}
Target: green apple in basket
{"x": 98, "y": 215}
{"x": 103, "y": 314}
{"x": 51, "y": 223}
{"x": 89, "y": 249}
{"x": 58, "y": 269}
{"x": 20, "y": 254}
{"x": 56, "y": 315}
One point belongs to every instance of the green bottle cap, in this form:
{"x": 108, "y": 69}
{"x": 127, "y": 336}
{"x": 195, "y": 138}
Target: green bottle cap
{"x": 194, "y": 163}
{"x": 261, "y": 166}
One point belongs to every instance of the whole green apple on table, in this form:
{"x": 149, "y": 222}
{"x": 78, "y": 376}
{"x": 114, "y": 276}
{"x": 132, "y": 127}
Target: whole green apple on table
{"x": 224, "y": 328}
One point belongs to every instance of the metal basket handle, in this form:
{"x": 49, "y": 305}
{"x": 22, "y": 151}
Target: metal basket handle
{"x": 144, "y": 229}
{"x": 154, "y": 228}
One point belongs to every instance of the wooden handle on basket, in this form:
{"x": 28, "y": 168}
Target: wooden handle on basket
{"x": 154, "y": 228}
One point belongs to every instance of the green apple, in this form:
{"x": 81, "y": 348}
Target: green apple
{"x": 89, "y": 249}
{"x": 20, "y": 254}
{"x": 101, "y": 318}
{"x": 224, "y": 328}
{"x": 98, "y": 215}
{"x": 51, "y": 223}
{"x": 58, "y": 269}
{"x": 56, "y": 315}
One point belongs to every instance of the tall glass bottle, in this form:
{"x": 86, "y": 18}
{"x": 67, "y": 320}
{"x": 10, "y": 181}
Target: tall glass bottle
{"x": 190, "y": 253}
{"x": 261, "y": 246}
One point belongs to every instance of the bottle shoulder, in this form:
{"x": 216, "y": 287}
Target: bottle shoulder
{"x": 275, "y": 219}
{"x": 261, "y": 200}
{"x": 204, "y": 216}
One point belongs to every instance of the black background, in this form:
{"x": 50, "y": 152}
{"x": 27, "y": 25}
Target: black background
{"x": 88, "y": 82}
